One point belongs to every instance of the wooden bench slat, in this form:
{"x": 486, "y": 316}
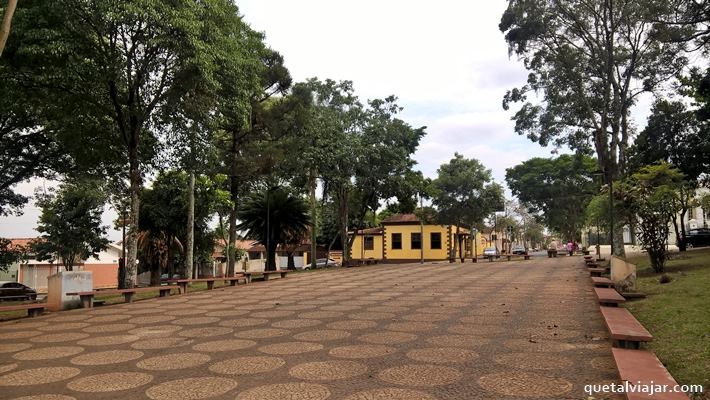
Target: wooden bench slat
{"x": 17, "y": 307}
{"x": 599, "y": 281}
{"x": 623, "y": 326}
{"x": 608, "y": 296}
{"x": 33, "y": 309}
{"x": 642, "y": 366}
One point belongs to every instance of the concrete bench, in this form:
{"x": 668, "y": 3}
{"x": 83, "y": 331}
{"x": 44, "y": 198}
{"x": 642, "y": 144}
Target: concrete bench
{"x": 625, "y": 330}
{"x": 265, "y": 274}
{"x": 182, "y": 283}
{"x": 596, "y": 271}
{"x": 642, "y": 366}
{"x": 33, "y": 310}
{"x": 598, "y": 281}
{"x": 609, "y": 297}
{"x": 88, "y": 297}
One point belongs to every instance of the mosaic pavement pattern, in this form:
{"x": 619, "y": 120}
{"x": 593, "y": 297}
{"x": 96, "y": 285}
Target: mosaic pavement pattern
{"x": 527, "y": 330}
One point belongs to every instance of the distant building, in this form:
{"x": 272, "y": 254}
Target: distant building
{"x": 402, "y": 238}
{"x": 34, "y": 273}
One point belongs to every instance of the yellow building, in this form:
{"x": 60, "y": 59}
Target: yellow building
{"x": 403, "y": 239}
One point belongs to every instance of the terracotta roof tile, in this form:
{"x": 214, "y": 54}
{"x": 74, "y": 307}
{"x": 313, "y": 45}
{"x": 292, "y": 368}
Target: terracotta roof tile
{"x": 398, "y": 218}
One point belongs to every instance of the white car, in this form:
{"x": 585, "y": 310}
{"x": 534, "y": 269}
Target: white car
{"x": 322, "y": 263}
{"x": 491, "y": 251}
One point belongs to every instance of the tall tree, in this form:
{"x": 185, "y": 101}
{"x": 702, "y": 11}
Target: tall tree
{"x": 140, "y": 51}
{"x": 274, "y": 217}
{"x": 465, "y": 194}
{"x": 649, "y": 194}
{"x": 330, "y": 147}
{"x": 70, "y": 223}
{"x": 557, "y": 189}
{"x": 241, "y": 104}
{"x": 589, "y": 61}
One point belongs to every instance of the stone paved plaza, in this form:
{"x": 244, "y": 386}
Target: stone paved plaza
{"x": 498, "y": 330}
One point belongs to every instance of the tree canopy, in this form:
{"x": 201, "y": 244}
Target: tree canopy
{"x": 556, "y": 189}
{"x": 70, "y": 224}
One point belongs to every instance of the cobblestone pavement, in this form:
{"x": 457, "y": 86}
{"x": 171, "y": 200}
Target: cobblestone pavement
{"x": 498, "y": 330}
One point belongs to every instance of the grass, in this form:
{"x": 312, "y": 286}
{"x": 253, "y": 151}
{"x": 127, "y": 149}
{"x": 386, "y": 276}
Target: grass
{"x": 678, "y": 315}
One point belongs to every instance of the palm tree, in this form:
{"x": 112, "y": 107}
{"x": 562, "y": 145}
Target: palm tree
{"x": 273, "y": 217}
{"x": 156, "y": 250}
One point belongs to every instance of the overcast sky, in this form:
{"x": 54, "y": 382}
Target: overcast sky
{"x": 446, "y": 61}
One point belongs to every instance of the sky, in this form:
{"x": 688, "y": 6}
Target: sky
{"x": 445, "y": 60}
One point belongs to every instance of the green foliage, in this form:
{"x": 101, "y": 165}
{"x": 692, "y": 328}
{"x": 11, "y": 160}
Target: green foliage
{"x": 29, "y": 148}
{"x": 558, "y": 189}
{"x": 274, "y": 217}
{"x": 9, "y": 254}
{"x": 589, "y": 62}
{"x": 70, "y": 223}
{"x": 464, "y": 192}
{"x": 164, "y": 209}
{"x": 651, "y": 195}
{"x": 674, "y": 135}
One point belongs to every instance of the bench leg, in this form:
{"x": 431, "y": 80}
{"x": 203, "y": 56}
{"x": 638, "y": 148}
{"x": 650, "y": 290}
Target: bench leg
{"x": 129, "y": 297}
{"x": 283, "y": 274}
{"x": 87, "y": 301}
{"x": 233, "y": 282}
{"x": 210, "y": 285}
{"x": 266, "y": 277}
{"x": 164, "y": 292}
{"x": 183, "y": 287}
{"x": 34, "y": 312}
{"x": 627, "y": 344}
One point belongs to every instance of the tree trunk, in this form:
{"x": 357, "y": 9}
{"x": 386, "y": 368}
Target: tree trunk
{"x": 619, "y": 249}
{"x": 170, "y": 264}
{"x": 314, "y": 219}
{"x": 155, "y": 275}
{"x": 682, "y": 246}
{"x": 190, "y": 245}
{"x": 459, "y": 240}
{"x": 6, "y": 22}
{"x": 343, "y": 211}
{"x": 291, "y": 265}
{"x": 234, "y": 191}
{"x": 134, "y": 190}
{"x": 271, "y": 255}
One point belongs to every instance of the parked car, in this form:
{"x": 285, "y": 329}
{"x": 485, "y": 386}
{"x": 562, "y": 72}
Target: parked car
{"x": 16, "y": 291}
{"x": 322, "y": 262}
{"x": 518, "y": 249}
{"x": 491, "y": 252}
{"x": 698, "y": 237}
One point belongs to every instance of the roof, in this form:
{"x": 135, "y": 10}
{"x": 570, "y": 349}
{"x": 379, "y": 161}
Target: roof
{"x": 21, "y": 242}
{"x": 368, "y": 231}
{"x": 401, "y": 218}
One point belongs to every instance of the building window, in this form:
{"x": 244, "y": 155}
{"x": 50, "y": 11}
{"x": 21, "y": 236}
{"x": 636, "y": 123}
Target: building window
{"x": 396, "y": 241}
{"x": 416, "y": 241}
{"x": 369, "y": 243}
{"x": 436, "y": 240}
